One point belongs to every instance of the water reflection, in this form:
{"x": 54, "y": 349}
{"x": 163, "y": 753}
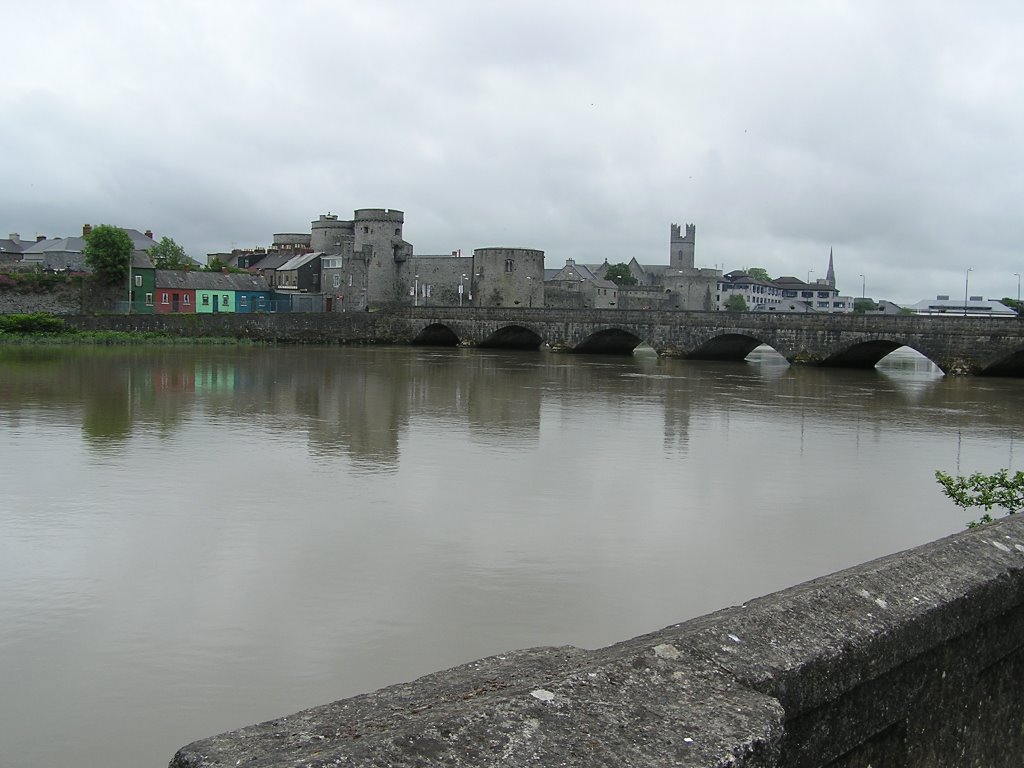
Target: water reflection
{"x": 360, "y": 402}
{"x": 196, "y": 539}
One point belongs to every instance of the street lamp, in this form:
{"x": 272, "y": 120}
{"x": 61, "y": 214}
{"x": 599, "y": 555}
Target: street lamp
{"x": 1017, "y": 274}
{"x": 863, "y": 289}
{"x": 967, "y": 282}
{"x": 809, "y": 273}
{"x": 462, "y": 283}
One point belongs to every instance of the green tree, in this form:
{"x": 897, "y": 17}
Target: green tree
{"x": 758, "y": 273}
{"x": 167, "y": 254}
{"x": 108, "y": 252}
{"x": 214, "y": 265}
{"x": 620, "y": 274}
{"x": 1013, "y": 304}
{"x": 860, "y": 306}
{"x": 736, "y": 303}
{"x": 1000, "y": 489}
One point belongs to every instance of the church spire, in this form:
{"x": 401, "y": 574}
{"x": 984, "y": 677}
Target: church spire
{"x": 830, "y": 276}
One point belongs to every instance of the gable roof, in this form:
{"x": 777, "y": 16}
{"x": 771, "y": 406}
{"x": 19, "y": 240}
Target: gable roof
{"x": 299, "y": 261}
{"x": 272, "y": 260}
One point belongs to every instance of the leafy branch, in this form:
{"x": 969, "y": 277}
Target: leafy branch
{"x": 1000, "y": 489}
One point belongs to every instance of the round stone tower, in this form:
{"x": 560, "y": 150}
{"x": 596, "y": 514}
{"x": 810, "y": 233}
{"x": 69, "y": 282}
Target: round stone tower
{"x": 328, "y": 235}
{"x": 378, "y": 237}
{"x": 508, "y": 277}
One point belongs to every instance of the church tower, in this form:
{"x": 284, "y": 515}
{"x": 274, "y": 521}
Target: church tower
{"x": 680, "y": 255}
{"x": 830, "y": 276}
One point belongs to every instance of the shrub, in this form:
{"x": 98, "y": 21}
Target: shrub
{"x": 31, "y": 323}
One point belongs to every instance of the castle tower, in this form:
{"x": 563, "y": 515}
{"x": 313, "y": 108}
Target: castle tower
{"x": 681, "y": 247}
{"x": 830, "y": 276}
{"x": 328, "y": 235}
{"x": 378, "y": 236}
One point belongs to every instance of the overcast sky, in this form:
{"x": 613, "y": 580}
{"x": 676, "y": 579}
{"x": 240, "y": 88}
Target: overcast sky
{"x": 891, "y": 132}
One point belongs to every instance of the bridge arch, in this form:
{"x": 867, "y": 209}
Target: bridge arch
{"x": 731, "y": 344}
{"x": 609, "y": 341}
{"x": 862, "y": 354}
{"x": 436, "y": 335}
{"x": 513, "y": 337}
{"x": 1007, "y": 362}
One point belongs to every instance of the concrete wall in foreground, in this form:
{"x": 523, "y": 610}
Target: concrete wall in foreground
{"x": 912, "y": 660}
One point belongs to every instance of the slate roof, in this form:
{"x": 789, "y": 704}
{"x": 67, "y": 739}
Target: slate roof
{"x": 299, "y": 261}
{"x": 141, "y": 260}
{"x": 273, "y": 261}
{"x": 189, "y": 280}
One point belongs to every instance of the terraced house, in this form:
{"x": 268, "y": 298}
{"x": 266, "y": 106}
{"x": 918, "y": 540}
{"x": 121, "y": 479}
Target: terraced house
{"x": 189, "y": 292}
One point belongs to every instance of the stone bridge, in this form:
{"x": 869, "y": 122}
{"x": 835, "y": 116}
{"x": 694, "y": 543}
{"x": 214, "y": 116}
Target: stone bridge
{"x": 956, "y": 344}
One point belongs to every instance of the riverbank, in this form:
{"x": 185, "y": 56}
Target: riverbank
{"x": 43, "y": 329}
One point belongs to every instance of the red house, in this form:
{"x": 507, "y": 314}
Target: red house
{"x": 172, "y": 294}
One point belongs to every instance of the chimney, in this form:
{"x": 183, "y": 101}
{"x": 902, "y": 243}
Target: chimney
{"x": 148, "y": 233}
{"x": 86, "y": 230}
{"x": 40, "y": 238}
{"x": 14, "y": 236}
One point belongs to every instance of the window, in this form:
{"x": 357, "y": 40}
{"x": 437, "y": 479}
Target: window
{"x": 366, "y": 230}
{"x": 807, "y": 294}
{"x": 206, "y": 299}
{"x": 262, "y": 301}
{"x": 138, "y": 281}
{"x": 187, "y": 299}
{"x": 243, "y": 300}
{"x": 823, "y": 305}
{"x": 149, "y": 299}
{"x": 337, "y": 280}
{"x": 225, "y": 300}
{"x": 398, "y": 231}
{"x": 509, "y": 265}
{"x": 350, "y": 281}
{"x": 822, "y": 294}
{"x": 164, "y": 299}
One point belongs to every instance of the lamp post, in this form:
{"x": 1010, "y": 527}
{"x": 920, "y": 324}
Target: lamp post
{"x": 462, "y": 287}
{"x": 1017, "y": 274}
{"x": 809, "y": 273}
{"x": 967, "y": 282}
{"x": 416, "y": 291}
{"x": 863, "y": 286}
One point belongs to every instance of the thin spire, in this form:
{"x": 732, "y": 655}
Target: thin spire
{"x": 830, "y": 276}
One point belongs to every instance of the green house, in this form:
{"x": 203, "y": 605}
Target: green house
{"x": 142, "y": 279}
{"x": 215, "y": 298}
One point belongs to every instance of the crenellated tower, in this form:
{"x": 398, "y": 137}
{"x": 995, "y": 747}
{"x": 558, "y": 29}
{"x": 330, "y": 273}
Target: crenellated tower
{"x": 681, "y": 247}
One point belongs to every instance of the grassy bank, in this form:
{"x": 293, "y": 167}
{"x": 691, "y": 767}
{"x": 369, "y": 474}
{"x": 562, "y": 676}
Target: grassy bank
{"x": 42, "y": 329}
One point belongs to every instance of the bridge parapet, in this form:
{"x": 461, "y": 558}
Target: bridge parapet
{"x": 912, "y": 660}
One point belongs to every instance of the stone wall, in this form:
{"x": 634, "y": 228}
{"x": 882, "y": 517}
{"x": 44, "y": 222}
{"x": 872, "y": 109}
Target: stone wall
{"x": 914, "y": 660}
{"x": 71, "y": 298}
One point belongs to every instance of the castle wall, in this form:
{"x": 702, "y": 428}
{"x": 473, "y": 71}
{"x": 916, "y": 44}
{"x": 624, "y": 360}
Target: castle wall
{"x": 438, "y": 279}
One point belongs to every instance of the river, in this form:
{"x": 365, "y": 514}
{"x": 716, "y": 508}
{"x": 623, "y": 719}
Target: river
{"x": 196, "y": 539}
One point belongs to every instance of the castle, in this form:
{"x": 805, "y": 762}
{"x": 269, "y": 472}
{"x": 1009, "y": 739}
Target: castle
{"x": 365, "y": 262}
